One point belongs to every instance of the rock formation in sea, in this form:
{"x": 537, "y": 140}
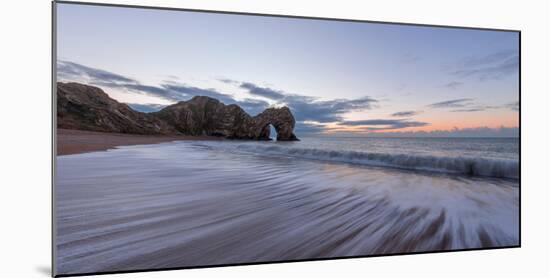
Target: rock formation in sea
{"x": 281, "y": 119}
{"x": 86, "y": 107}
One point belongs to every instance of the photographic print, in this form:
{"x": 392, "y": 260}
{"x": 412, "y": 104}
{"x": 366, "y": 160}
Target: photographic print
{"x": 194, "y": 139}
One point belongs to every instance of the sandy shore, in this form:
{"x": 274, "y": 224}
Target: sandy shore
{"x": 80, "y": 141}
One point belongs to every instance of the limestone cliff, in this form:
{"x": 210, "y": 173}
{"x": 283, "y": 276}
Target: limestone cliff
{"x": 86, "y": 107}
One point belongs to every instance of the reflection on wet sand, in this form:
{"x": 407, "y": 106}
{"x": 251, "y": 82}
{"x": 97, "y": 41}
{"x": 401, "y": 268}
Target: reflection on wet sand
{"x": 178, "y": 205}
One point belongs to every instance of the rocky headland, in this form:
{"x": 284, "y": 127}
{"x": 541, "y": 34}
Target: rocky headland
{"x": 84, "y": 107}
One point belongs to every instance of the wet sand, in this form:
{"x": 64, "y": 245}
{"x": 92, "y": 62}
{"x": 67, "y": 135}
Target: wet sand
{"x": 71, "y": 141}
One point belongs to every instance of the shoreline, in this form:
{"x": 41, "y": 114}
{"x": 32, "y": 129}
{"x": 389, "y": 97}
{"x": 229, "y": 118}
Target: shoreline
{"x": 229, "y": 208}
{"x": 72, "y": 141}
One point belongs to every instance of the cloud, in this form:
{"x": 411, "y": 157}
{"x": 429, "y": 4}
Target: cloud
{"x": 253, "y": 106}
{"x": 383, "y": 124}
{"x": 453, "y": 85}
{"x": 462, "y": 105}
{"x": 492, "y": 66}
{"x": 228, "y": 81}
{"x": 71, "y": 71}
{"x": 146, "y": 108}
{"x": 312, "y": 114}
{"x": 308, "y": 127}
{"x": 306, "y": 108}
{"x": 475, "y": 109}
{"x": 191, "y": 91}
{"x": 66, "y": 69}
{"x": 179, "y": 91}
{"x": 405, "y": 113}
{"x": 456, "y": 132}
{"x": 514, "y": 106}
{"x": 489, "y": 59}
{"x": 461, "y": 102}
{"x": 173, "y": 77}
{"x": 169, "y": 90}
{"x": 148, "y": 90}
{"x": 262, "y": 92}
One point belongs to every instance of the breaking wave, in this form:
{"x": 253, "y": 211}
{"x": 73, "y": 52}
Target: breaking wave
{"x": 472, "y": 166}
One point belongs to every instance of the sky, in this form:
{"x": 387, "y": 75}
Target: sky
{"x": 336, "y": 77}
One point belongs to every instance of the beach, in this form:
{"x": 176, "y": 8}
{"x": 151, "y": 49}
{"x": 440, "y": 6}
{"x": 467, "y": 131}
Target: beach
{"x": 202, "y": 203}
{"x": 71, "y": 141}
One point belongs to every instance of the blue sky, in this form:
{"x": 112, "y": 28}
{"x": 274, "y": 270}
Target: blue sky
{"x": 335, "y": 76}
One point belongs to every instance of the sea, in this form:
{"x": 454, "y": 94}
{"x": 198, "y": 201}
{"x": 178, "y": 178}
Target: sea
{"x": 205, "y": 203}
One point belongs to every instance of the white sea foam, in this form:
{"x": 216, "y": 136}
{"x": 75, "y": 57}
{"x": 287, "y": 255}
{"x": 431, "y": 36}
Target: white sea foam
{"x": 472, "y": 166}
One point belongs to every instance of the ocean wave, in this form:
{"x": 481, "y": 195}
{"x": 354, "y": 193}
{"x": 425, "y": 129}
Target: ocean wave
{"x": 471, "y": 166}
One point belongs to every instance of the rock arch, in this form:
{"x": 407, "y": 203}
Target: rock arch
{"x": 282, "y": 120}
